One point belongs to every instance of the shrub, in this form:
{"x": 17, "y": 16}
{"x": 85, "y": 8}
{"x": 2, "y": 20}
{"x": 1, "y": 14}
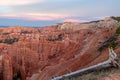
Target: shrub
{"x": 113, "y": 44}
{"x": 107, "y": 43}
{"x": 59, "y": 38}
{"x": 9, "y": 40}
{"x": 6, "y": 33}
{"x": 118, "y": 31}
{"x": 18, "y": 76}
{"x": 25, "y": 32}
{"x": 116, "y": 18}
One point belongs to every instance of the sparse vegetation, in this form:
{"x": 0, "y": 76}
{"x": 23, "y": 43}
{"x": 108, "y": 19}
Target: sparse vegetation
{"x": 25, "y": 32}
{"x": 116, "y": 18}
{"x": 113, "y": 44}
{"x": 59, "y": 38}
{"x": 110, "y": 42}
{"x": 9, "y": 40}
{"x": 5, "y": 33}
{"x": 17, "y": 76}
{"x": 107, "y": 43}
{"x": 117, "y": 31}
{"x": 97, "y": 74}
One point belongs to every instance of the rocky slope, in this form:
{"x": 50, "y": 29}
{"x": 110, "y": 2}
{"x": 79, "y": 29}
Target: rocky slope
{"x": 112, "y": 77}
{"x": 43, "y": 53}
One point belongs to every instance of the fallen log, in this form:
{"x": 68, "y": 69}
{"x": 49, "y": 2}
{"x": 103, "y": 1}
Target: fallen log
{"x": 110, "y": 62}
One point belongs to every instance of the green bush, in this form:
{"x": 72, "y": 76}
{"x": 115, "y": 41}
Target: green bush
{"x": 113, "y": 44}
{"x": 25, "y": 32}
{"x": 118, "y": 31}
{"x": 9, "y": 40}
{"x": 59, "y": 38}
{"x": 116, "y": 18}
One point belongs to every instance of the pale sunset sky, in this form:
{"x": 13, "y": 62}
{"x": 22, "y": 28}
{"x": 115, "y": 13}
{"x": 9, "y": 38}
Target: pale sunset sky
{"x": 36, "y": 13}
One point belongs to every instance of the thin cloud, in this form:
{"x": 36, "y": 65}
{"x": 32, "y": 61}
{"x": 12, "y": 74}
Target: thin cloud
{"x": 75, "y": 20}
{"x": 49, "y": 16}
{"x": 18, "y": 2}
{"x": 100, "y": 17}
{"x": 35, "y": 16}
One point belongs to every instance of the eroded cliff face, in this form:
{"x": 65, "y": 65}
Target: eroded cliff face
{"x": 43, "y": 53}
{"x": 6, "y": 67}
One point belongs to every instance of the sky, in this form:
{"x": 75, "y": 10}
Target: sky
{"x": 37, "y": 13}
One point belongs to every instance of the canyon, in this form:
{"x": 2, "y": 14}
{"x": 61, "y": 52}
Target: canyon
{"x": 46, "y": 52}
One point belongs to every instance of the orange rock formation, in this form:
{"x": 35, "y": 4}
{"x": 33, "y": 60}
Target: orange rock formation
{"x": 43, "y": 53}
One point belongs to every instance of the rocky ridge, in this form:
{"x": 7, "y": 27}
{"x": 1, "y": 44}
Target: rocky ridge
{"x": 43, "y": 53}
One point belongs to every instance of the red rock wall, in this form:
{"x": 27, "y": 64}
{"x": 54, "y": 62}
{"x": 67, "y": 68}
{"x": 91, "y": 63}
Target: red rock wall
{"x": 7, "y": 68}
{"x": 35, "y": 54}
